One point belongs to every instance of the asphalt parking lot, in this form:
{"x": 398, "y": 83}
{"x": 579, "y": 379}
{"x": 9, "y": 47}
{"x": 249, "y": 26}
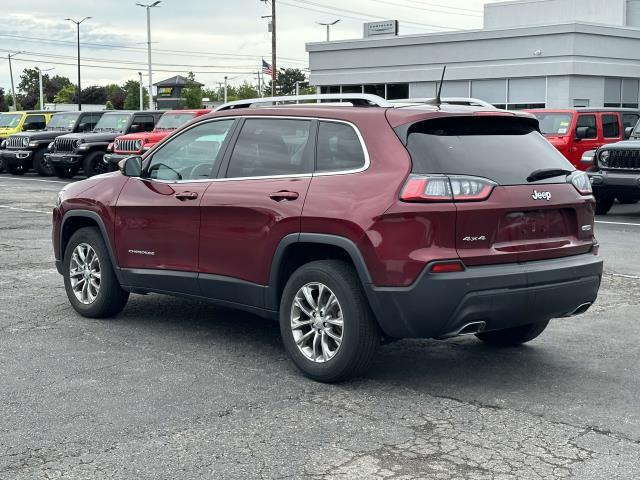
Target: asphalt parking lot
{"x": 180, "y": 389}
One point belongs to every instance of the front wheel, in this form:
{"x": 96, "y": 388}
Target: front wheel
{"x": 89, "y": 279}
{"x": 603, "y": 204}
{"x": 94, "y": 164}
{"x": 326, "y": 323}
{"x": 510, "y": 337}
{"x": 17, "y": 169}
{"x": 65, "y": 172}
{"x": 40, "y": 165}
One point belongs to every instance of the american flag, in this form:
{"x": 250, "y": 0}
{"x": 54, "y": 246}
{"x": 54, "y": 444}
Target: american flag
{"x": 266, "y": 68}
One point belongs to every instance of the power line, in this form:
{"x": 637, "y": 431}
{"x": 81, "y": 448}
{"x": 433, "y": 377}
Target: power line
{"x": 431, "y": 4}
{"x": 423, "y": 9}
{"x": 342, "y": 10}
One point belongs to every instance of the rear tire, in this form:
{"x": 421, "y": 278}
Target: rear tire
{"x": 358, "y": 331}
{"x": 65, "y": 172}
{"x": 2, "y": 164}
{"x": 510, "y": 337}
{"x": 94, "y": 165}
{"x": 627, "y": 199}
{"x": 89, "y": 279}
{"x": 603, "y": 204}
{"x": 40, "y": 165}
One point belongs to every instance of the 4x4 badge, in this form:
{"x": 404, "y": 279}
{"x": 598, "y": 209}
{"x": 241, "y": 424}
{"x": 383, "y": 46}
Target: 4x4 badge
{"x": 536, "y": 195}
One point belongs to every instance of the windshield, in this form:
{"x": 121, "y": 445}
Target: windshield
{"x": 116, "y": 121}
{"x": 505, "y": 150}
{"x": 10, "y": 120}
{"x": 554, "y": 123}
{"x": 171, "y": 121}
{"x": 64, "y": 121}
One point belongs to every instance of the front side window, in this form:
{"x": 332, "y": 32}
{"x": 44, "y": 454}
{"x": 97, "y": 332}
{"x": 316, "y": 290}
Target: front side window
{"x": 588, "y": 121}
{"x": 116, "y": 122}
{"x": 339, "y": 148}
{"x": 610, "y": 126}
{"x": 35, "y": 122}
{"x": 191, "y": 155}
{"x": 269, "y": 147}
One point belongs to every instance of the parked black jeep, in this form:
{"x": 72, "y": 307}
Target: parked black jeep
{"x": 73, "y": 151}
{"x": 616, "y": 172}
{"x": 26, "y": 150}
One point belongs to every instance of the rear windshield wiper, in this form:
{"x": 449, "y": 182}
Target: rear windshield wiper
{"x": 547, "y": 173}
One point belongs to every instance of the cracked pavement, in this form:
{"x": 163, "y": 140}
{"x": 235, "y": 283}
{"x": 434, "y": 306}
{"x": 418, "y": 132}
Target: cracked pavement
{"x": 173, "y": 388}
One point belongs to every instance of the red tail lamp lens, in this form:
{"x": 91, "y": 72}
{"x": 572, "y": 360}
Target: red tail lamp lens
{"x": 442, "y": 188}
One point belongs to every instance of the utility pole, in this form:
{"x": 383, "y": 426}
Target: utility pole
{"x": 40, "y": 83}
{"x": 328, "y": 25}
{"x": 149, "y": 7}
{"x": 259, "y": 83}
{"x": 274, "y": 75}
{"x": 78, "y": 30}
{"x": 13, "y": 89}
{"x": 141, "y": 92}
{"x": 225, "y": 88}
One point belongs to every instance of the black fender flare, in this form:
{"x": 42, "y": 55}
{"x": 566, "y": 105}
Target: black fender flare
{"x": 103, "y": 230}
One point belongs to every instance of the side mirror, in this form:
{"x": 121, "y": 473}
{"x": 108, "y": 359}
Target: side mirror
{"x": 131, "y": 166}
{"x": 627, "y": 133}
{"x": 582, "y": 133}
{"x": 135, "y": 129}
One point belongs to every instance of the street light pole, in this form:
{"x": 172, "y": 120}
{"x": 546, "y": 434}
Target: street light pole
{"x": 225, "y": 88}
{"x": 141, "y": 92}
{"x": 13, "y": 89}
{"x": 78, "y": 31}
{"x": 149, "y": 7}
{"x": 328, "y": 25}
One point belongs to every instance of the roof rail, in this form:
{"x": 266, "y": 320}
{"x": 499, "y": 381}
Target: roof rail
{"x": 356, "y": 99}
{"x": 446, "y": 100}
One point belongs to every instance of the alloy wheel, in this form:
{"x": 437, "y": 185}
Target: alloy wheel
{"x": 84, "y": 273}
{"x": 316, "y": 322}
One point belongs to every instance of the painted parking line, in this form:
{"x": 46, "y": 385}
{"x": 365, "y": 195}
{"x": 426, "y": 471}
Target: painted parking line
{"x": 28, "y": 210}
{"x": 622, "y": 275}
{"x": 33, "y": 180}
{"x": 618, "y": 223}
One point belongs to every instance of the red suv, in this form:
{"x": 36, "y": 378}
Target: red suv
{"x": 138, "y": 143}
{"x": 577, "y": 131}
{"x": 351, "y": 224}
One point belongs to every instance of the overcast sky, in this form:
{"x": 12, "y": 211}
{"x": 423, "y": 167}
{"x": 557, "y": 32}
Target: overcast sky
{"x": 213, "y": 38}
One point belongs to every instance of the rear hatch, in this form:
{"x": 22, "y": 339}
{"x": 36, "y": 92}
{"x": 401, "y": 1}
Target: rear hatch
{"x": 513, "y": 190}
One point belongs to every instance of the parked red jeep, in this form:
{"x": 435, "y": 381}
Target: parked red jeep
{"x": 138, "y": 143}
{"x": 348, "y": 223}
{"x": 576, "y": 131}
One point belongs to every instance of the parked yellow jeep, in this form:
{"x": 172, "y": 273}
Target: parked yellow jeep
{"x": 15, "y": 122}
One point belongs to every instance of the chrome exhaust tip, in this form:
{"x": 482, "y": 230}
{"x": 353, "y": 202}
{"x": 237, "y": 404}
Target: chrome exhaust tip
{"x": 467, "y": 329}
{"x": 579, "y": 309}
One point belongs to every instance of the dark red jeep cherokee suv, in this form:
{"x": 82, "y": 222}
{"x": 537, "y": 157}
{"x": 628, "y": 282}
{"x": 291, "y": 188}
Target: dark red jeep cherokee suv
{"x": 350, "y": 223}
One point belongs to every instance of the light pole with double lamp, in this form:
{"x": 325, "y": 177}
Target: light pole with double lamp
{"x": 149, "y": 7}
{"x": 328, "y": 25}
{"x": 78, "y": 22}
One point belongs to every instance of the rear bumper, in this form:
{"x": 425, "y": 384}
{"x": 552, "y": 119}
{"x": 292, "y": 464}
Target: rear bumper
{"x": 16, "y": 157}
{"x": 501, "y": 296}
{"x": 615, "y": 181}
{"x": 62, "y": 159}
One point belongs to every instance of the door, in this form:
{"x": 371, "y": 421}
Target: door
{"x": 255, "y": 203}
{"x": 158, "y": 215}
{"x": 591, "y": 142}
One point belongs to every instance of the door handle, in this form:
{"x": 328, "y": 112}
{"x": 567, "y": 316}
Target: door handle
{"x": 283, "y": 195}
{"x": 186, "y": 195}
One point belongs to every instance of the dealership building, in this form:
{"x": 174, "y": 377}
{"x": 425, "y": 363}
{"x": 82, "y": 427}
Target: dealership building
{"x": 530, "y": 54}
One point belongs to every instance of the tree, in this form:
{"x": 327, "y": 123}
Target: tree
{"x": 191, "y": 93}
{"x": 286, "y": 81}
{"x": 9, "y": 99}
{"x": 246, "y": 90}
{"x": 51, "y": 86}
{"x": 95, "y": 95}
{"x": 116, "y": 95}
{"x": 108, "y": 105}
{"x": 132, "y": 98}
{"x": 29, "y": 88}
{"x": 66, "y": 94}
{"x": 3, "y": 101}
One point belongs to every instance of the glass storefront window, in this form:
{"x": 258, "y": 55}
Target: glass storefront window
{"x": 397, "y": 90}
{"x": 376, "y": 89}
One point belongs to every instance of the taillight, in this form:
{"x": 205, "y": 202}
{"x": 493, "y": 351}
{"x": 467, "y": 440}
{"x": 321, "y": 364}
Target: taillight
{"x": 447, "y": 267}
{"x": 581, "y": 183}
{"x": 443, "y": 188}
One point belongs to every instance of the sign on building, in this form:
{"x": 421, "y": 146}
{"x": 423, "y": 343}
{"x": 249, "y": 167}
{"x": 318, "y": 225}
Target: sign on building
{"x": 381, "y": 29}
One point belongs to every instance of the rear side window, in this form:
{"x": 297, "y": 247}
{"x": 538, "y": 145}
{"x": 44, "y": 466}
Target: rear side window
{"x": 339, "y": 148}
{"x": 629, "y": 120}
{"x": 610, "y": 126}
{"x": 503, "y": 149}
{"x": 588, "y": 121}
{"x": 269, "y": 146}
{"x": 142, "y": 124}
{"x": 34, "y": 122}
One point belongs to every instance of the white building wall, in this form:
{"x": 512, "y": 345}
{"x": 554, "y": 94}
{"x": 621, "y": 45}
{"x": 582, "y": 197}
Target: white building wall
{"x": 522, "y": 13}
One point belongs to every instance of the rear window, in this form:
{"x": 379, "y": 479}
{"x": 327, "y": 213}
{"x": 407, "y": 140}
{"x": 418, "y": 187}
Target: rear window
{"x": 503, "y": 149}
{"x": 554, "y": 123}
